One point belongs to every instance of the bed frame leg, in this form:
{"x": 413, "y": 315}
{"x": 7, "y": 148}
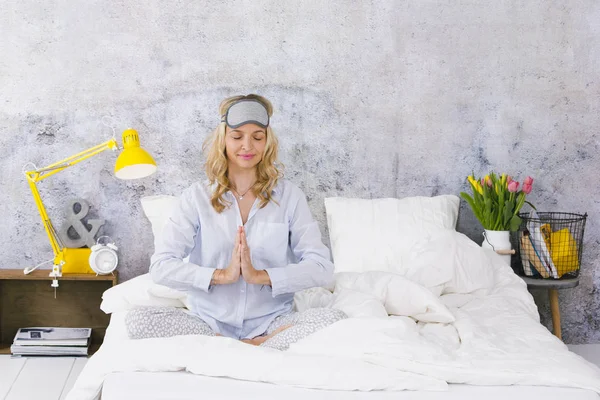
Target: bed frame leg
{"x": 555, "y": 310}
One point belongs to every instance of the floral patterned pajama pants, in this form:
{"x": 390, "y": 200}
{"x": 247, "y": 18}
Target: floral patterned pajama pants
{"x": 153, "y": 322}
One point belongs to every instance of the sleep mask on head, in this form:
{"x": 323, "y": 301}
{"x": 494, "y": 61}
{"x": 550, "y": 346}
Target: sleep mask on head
{"x": 246, "y": 111}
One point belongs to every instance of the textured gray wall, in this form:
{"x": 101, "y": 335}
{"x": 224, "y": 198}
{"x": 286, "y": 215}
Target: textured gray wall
{"x": 372, "y": 99}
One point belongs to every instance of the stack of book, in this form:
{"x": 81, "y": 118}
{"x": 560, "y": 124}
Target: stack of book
{"x": 51, "y": 342}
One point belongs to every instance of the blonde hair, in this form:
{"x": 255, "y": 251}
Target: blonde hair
{"x": 267, "y": 172}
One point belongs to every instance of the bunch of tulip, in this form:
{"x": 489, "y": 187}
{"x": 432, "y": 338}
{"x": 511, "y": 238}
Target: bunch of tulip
{"x": 497, "y": 200}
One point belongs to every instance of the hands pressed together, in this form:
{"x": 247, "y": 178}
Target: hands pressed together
{"x": 240, "y": 264}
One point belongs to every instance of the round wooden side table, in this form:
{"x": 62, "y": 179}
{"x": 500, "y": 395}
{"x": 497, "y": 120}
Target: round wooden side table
{"x": 553, "y": 286}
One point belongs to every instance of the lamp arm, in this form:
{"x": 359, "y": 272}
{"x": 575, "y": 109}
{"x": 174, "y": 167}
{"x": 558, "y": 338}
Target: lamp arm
{"x": 43, "y": 173}
{"x": 50, "y": 231}
{"x": 39, "y": 174}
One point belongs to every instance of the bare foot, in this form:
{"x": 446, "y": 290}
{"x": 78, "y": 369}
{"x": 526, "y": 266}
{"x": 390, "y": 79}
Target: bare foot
{"x": 261, "y": 339}
{"x": 256, "y": 341}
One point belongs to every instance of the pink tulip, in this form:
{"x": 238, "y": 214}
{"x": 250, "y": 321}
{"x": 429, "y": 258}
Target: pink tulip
{"x": 513, "y": 186}
{"x": 528, "y": 181}
{"x": 508, "y": 180}
{"x": 489, "y": 181}
{"x": 526, "y": 188}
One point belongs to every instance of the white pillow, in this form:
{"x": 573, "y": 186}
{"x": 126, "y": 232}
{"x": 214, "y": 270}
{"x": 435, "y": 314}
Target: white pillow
{"x": 140, "y": 291}
{"x": 378, "y": 234}
{"x": 158, "y": 209}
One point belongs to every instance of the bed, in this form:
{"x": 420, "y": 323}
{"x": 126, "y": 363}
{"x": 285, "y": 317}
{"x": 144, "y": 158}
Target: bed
{"x": 431, "y": 316}
{"x": 183, "y": 385}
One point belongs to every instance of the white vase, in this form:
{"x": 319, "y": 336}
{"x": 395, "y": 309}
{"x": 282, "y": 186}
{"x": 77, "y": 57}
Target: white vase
{"x": 497, "y": 240}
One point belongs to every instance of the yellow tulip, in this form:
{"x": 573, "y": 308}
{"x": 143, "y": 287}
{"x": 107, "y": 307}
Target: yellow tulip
{"x": 475, "y": 184}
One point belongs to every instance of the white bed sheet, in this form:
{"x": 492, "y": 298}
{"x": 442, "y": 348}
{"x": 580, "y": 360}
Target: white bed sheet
{"x": 184, "y": 385}
{"x": 187, "y": 386}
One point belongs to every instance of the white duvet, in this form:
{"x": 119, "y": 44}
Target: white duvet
{"x": 457, "y": 314}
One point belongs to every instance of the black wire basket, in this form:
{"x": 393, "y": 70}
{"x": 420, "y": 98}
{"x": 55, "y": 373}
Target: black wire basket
{"x": 549, "y": 245}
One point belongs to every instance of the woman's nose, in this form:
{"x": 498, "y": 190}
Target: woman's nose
{"x": 246, "y": 143}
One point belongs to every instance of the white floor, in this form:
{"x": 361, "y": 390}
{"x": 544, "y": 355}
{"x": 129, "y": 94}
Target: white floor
{"x": 52, "y": 378}
{"x": 43, "y": 378}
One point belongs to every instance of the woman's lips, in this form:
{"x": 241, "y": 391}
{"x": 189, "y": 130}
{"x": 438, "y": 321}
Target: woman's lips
{"x": 247, "y": 157}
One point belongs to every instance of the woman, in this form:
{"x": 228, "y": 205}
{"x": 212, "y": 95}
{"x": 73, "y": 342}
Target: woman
{"x": 251, "y": 240}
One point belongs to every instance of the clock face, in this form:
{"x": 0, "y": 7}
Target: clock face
{"x": 105, "y": 261}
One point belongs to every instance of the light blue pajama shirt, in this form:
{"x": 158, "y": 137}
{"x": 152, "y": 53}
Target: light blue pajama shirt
{"x": 283, "y": 239}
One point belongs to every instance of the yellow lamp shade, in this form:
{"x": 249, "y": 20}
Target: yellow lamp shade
{"x": 133, "y": 162}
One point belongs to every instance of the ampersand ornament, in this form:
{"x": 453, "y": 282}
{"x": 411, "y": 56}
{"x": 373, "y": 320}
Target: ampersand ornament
{"x": 74, "y": 232}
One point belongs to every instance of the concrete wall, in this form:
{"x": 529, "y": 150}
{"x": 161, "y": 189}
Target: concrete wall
{"x": 372, "y": 99}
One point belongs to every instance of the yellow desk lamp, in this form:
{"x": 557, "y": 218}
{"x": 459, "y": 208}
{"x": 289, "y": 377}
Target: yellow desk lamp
{"x": 133, "y": 163}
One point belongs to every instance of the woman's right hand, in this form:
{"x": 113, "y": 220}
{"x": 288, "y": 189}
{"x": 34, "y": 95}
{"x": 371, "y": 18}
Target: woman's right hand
{"x": 231, "y": 274}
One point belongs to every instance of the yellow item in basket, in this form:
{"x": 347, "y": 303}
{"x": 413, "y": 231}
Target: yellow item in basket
{"x": 563, "y": 249}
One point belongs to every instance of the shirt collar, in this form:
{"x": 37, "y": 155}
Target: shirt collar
{"x": 276, "y": 190}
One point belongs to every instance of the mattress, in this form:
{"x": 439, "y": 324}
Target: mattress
{"x": 184, "y": 386}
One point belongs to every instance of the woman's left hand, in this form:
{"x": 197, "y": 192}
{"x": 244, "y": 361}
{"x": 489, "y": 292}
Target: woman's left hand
{"x": 250, "y": 274}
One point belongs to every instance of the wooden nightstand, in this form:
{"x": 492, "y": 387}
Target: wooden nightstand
{"x": 553, "y": 287}
{"x": 28, "y": 300}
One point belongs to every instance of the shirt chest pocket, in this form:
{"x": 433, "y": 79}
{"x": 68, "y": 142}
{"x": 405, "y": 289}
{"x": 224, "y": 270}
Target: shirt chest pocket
{"x": 270, "y": 244}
